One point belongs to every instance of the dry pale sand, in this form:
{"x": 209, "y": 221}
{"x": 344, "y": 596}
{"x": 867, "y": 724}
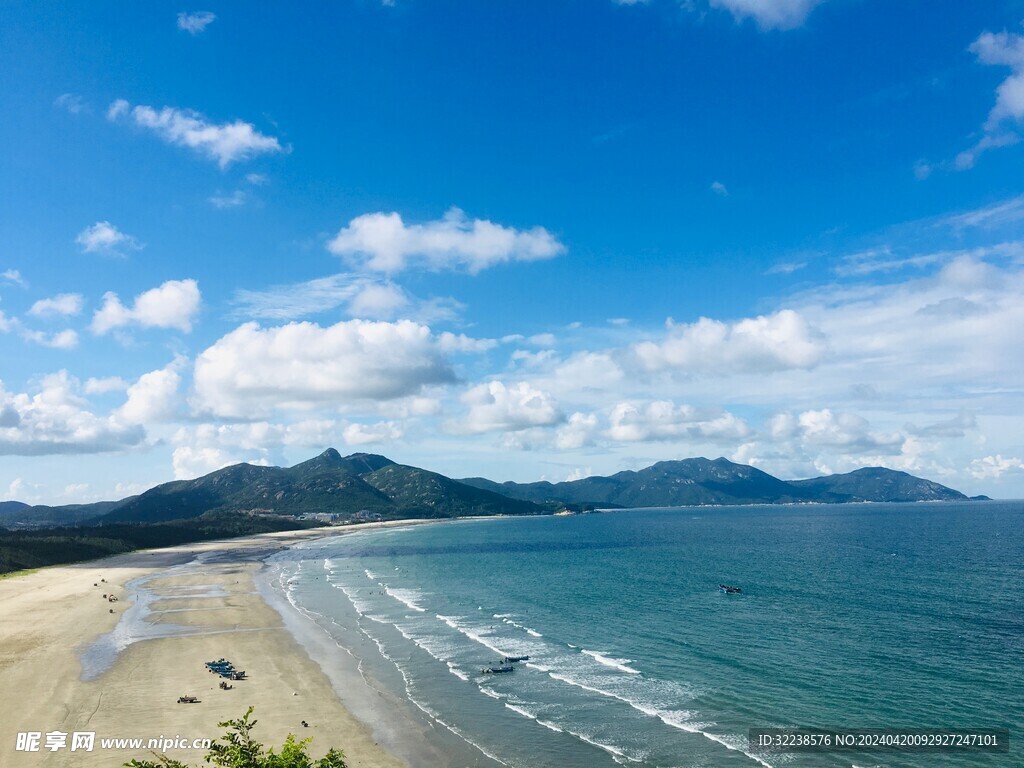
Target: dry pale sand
{"x": 48, "y": 617}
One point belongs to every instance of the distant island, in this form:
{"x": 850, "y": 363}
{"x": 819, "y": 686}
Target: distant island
{"x": 335, "y": 489}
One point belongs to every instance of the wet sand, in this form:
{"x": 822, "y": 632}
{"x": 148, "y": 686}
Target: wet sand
{"x": 67, "y": 664}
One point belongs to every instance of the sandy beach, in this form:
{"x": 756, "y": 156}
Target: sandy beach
{"x": 53, "y": 620}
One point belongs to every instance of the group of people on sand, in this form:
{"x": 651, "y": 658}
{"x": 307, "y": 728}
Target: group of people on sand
{"x": 110, "y": 598}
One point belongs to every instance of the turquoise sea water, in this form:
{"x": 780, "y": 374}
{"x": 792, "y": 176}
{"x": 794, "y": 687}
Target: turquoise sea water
{"x": 853, "y": 616}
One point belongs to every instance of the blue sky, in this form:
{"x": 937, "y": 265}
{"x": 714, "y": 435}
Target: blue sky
{"x": 518, "y": 240}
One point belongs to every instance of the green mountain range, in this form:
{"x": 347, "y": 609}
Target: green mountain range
{"x": 703, "y": 481}
{"x": 368, "y": 485}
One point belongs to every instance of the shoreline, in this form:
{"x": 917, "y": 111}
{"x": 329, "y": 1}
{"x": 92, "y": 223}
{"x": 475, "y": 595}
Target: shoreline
{"x": 176, "y": 608}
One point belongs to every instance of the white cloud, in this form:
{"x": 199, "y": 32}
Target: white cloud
{"x": 104, "y": 237}
{"x": 71, "y": 102}
{"x": 208, "y": 447}
{"x": 66, "y": 339}
{"x": 825, "y": 429}
{"x": 664, "y": 420}
{"x": 495, "y": 407}
{"x": 1006, "y": 50}
{"x": 64, "y": 304}
{"x": 257, "y": 179}
{"x": 154, "y": 397}
{"x": 362, "y": 297}
{"x": 450, "y": 342}
{"x": 994, "y": 467}
{"x": 769, "y": 14}
{"x": 174, "y": 304}
{"x": 378, "y": 301}
{"x": 13, "y": 276}
{"x": 195, "y": 22}
{"x": 776, "y": 342}
{"x": 96, "y": 386}
{"x": 226, "y": 143}
{"x": 190, "y": 462}
{"x": 384, "y": 243}
{"x": 253, "y": 370}
{"x": 367, "y": 434}
{"x": 56, "y": 420}
{"x": 577, "y": 432}
{"x": 786, "y": 267}
{"x": 233, "y": 200}
{"x": 719, "y": 189}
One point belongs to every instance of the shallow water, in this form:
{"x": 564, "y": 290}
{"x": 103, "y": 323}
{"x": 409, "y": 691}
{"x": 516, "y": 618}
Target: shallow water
{"x": 852, "y": 616}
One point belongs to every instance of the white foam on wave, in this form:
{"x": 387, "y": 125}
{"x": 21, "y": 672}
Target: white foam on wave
{"x": 609, "y": 748}
{"x": 474, "y": 636}
{"x": 517, "y": 625}
{"x": 619, "y": 664}
{"x": 361, "y": 606}
{"x": 552, "y": 726}
{"x": 520, "y": 711}
{"x": 371, "y": 575}
{"x": 406, "y": 596}
{"x": 489, "y": 692}
{"x": 720, "y": 740}
{"x": 454, "y": 669}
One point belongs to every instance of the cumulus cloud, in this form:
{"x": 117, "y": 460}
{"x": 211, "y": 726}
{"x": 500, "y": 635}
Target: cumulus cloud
{"x": 664, "y": 420}
{"x": 383, "y": 242}
{"x": 56, "y": 420}
{"x": 769, "y": 14}
{"x": 100, "y": 386}
{"x": 225, "y": 142}
{"x": 103, "y": 237}
{"x": 66, "y": 339}
{"x": 255, "y": 370}
{"x": 367, "y": 434}
{"x": 825, "y": 429}
{"x": 191, "y": 462}
{"x": 1002, "y": 49}
{"x": 719, "y": 189}
{"x": 497, "y": 407}
{"x": 578, "y": 431}
{"x": 451, "y": 342}
{"x": 173, "y": 305}
{"x": 208, "y": 447}
{"x": 195, "y": 22}
{"x": 781, "y": 341}
{"x": 153, "y": 397}
{"x": 994, "y": 467}
{"x": 63, "y": 304}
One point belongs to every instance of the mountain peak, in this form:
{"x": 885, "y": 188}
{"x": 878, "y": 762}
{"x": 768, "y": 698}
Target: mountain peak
{"x": 331, "y": 454}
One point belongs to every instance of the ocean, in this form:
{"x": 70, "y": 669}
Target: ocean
{"x": 851, "y": 616}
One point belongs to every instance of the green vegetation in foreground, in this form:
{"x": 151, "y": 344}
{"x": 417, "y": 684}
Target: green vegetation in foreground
{"x": 23, "y": 550}
{"x": 238, "y": 749}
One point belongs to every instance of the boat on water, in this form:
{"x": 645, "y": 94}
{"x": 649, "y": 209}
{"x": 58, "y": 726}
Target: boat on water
{"x": 730, "y": 590}
{"x": 497, "y": 670}
{"x": 514, "y": 659}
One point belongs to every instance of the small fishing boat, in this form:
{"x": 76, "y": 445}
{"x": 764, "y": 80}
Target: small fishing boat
{"x": 730, "y": 590}
{"x": 497, "y": 670}
{"x": 514, "y": 659}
